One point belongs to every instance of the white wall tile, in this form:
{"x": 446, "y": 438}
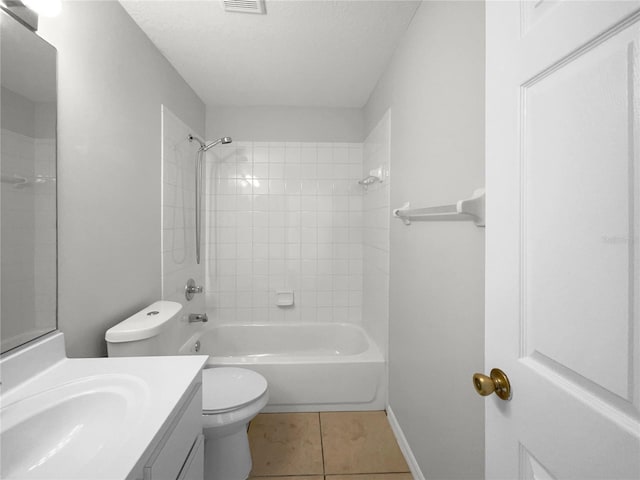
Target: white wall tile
{"x": 286, "y": 216}
{"x": 325, "y": 153}
{"x": 277, "y": 153}
{"x": 178, "y": 219}
{"x": 373, "y": 251}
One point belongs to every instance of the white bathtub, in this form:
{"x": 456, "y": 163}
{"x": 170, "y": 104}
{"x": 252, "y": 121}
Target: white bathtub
{"x": 309, "y": 366}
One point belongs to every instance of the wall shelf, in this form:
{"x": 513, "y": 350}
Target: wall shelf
{"x": 376, "y": 175}
{"x": 470, "y": 209}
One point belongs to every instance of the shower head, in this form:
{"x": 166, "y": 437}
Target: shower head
{"x": 223, "y": 140}
{"x": 204, "y": 147}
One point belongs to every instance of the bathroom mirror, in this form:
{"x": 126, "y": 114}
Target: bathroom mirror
{"x": 28, "y": 189}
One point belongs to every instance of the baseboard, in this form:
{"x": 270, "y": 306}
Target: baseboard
{"x": 404, "y": 445}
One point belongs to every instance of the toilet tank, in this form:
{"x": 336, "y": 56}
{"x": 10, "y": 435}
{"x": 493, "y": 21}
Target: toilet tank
{"x": 146, "y": 333}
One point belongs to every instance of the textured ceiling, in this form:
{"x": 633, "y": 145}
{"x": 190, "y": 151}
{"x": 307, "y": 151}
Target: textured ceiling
{"x": 320, "y": 53}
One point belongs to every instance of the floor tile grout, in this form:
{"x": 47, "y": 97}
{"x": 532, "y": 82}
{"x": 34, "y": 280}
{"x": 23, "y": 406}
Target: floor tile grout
{"x": 324, "y": 468}
{"x": 327, "y": 477}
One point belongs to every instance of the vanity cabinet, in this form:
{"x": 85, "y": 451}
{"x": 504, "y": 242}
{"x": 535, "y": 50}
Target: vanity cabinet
{"x": 141, "y": 417}
{"x": 193, "y": 467}
{"x": 179, "y": 455}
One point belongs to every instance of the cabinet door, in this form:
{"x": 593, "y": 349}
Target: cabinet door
{"x": 168, "y": 459}
{"x": 194, "y": 466}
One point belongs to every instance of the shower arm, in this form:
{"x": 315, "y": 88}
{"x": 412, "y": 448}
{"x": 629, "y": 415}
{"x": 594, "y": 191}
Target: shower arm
{"x": 206, "y": 146}
{"x": 191, "y": 138}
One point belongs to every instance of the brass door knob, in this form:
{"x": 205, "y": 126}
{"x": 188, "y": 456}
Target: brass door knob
{"x": 497, "y": 382}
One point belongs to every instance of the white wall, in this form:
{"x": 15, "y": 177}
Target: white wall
{"x": 112, "y": 83}
{"x": 435, "y": 88}
{"x": 285, "y": 124}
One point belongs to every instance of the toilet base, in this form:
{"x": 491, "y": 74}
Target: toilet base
{"x": 227, "y": 458}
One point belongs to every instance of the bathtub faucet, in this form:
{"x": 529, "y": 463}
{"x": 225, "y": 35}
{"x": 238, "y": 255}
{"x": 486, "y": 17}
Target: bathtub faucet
{"x": 198, "y": 317}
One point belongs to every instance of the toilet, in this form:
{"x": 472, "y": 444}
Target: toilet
{"x": 231, "y": 397}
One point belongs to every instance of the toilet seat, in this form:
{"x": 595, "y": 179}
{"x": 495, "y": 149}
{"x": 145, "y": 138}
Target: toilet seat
{"x": 225, "y": 389}
{"x": 231, "y": 398}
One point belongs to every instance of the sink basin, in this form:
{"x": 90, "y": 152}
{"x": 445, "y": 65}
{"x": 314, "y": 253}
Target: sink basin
{"x": 87, "y": 418}
{"x": 57, "y": 432}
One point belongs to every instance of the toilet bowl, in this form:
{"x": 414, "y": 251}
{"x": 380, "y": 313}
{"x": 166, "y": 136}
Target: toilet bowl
{"x": 231, "y": 397}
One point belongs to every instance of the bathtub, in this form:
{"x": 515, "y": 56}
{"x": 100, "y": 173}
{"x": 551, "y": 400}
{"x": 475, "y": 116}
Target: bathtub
{"x": 309, "y": 366}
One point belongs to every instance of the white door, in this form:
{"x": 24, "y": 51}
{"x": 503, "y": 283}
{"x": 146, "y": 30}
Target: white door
{"x": 563, "y": 221}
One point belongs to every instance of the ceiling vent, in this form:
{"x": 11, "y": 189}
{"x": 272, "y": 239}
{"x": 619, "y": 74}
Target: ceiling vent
{"x": 244, "y": 6}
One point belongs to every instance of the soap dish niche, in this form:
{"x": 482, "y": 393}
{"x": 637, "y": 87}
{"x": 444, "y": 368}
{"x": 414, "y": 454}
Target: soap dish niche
{"x": 284, "y": 298}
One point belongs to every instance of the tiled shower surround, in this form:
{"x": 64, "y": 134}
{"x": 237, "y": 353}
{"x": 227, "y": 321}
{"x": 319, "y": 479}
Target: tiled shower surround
{"x": 284, "y": 216}
{"x": 376, "y": 210}
{"x": 178, "y": 212}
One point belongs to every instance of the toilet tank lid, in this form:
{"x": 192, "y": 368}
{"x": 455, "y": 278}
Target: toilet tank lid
{"x": 147, "y": 323}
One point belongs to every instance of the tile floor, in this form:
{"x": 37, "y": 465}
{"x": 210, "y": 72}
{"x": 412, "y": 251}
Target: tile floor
{"x": 325, "y": 446}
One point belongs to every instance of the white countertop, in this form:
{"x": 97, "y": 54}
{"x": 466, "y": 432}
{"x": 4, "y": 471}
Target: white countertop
{"x": 150, "y": 387}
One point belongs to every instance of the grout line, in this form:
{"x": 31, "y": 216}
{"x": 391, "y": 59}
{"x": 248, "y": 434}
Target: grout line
{"x": 267, "y": 477}
{"x": 324, "y": 470}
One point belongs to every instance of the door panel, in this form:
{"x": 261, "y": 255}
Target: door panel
{"x": 578, "y": 213}
{"x": 531, "y": 469}
{"x": 563, "y": 214}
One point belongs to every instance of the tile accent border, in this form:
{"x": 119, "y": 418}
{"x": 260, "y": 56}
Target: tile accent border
{"x": 404, "y": 445}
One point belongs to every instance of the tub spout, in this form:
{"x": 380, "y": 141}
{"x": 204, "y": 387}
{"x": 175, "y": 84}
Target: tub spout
{"x": 198, "y": 317}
